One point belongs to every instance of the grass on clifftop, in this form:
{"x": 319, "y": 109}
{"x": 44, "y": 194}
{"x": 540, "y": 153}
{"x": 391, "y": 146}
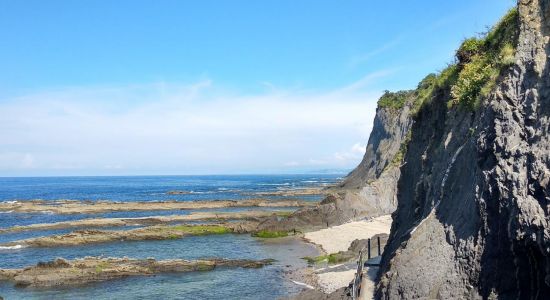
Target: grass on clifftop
{"x": 394, "y": 100}
{"x": 267, "y": 234}
{"x": 479, "y": 63}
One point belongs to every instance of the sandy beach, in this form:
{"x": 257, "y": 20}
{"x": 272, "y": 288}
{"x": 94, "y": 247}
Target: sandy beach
{"x": 339, "y": 238}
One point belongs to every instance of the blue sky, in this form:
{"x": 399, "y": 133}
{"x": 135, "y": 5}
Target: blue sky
{"x": 194, "y": 87}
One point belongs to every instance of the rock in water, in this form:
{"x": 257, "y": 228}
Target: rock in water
{"x": 472, "y": 217}
{"x": 62, "y": 272}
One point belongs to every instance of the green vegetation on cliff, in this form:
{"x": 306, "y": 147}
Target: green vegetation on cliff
{"x": 479, "y": 62}
{"x": 394, "y": 100}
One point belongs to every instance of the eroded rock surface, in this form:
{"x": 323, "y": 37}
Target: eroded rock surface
{"x": 94, "y": 207}
{"x": 370, "y": 189}
{"x": 161, "y": 232}
{"x": 61, "y": 272}
{"x": 472, "y": 218}
{"x": 152, "y": 220}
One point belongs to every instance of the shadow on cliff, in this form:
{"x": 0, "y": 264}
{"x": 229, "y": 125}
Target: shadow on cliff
{"x": 452, "y": 175}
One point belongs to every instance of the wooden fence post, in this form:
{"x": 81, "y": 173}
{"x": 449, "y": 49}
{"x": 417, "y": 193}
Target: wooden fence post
{"x": 369, "y": 249}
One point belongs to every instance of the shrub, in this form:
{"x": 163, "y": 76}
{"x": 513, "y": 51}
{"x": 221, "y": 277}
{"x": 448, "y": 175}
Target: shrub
{"x": 469, "y": 48}
{"x": 507, "y": 55}
{"x": 483, "y": 60}
{"x": 448, "y": 76}
{"x": 394, "y": 100}
{"x": 506, "y": 31}
{"x": 471, "y": 80}
{"x": 424, "y": 92}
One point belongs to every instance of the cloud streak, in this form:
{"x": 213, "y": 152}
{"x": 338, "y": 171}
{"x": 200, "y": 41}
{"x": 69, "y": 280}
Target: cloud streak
{"x": 197, "y": 128}
{"x": 357, "y": 60}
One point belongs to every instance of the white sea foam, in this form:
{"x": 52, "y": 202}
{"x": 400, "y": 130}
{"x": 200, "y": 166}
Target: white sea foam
{"x": 11, "y": 247}
{"x": 6, "y": 212}
{"x": 10, "y": 202}
{"x": 303, "y": 284}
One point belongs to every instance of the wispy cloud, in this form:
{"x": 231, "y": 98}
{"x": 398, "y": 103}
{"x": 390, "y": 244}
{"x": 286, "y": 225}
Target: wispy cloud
{"x": 365, "y": 82}
{"x": 182, "y": 128}
{"x": 365, "y": 57}
{"x": 354, "y": 153}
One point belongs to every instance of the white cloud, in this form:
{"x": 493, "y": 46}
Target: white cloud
{"x": 177, "y": 128}
{"x": 353, "y": 154}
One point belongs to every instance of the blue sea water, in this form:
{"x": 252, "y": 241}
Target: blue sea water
{"x": 265, "y": 283}
{"x": 152, "y": 188}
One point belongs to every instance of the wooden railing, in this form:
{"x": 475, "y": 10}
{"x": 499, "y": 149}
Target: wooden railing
{"x": 356, "y": 288}
{"x": 356, "y": 285}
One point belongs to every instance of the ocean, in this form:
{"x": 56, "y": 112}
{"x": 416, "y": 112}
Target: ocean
{"x": 266, "y": 283}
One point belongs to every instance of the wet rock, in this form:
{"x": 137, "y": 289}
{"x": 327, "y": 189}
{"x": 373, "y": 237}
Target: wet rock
{"x": 153, "y": 220}
{"x": 94, "y": 269}
{"x": 89, "y": 207}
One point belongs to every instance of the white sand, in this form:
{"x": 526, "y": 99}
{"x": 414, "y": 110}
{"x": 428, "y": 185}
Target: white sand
{"x": 331, "y": 281}
{"x": 339, "y": 238}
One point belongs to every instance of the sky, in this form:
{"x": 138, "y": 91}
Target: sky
{"x": 211, "y": 86}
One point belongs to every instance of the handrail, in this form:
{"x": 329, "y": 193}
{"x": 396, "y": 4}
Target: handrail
{"x": 356, "y": 288}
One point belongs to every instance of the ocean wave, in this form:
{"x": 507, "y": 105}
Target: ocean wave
{"x": 10, "y": 202}
{"x": 6, "y": 212}
{"x": 11, "y": 247}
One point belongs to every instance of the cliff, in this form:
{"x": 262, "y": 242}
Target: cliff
{"x": 370, "y": 189}
{"x": 472, "y": 199}
{"x": 372, "y": 185}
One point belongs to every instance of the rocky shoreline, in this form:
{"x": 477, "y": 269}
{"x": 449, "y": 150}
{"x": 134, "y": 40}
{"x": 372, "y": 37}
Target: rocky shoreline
{"x": 263, "y": 223}
{"x": 61, "y": 272}
{"x": 95, "y": 207}
{"x": 160, "y": 232}
{"x": 152, "y": 220}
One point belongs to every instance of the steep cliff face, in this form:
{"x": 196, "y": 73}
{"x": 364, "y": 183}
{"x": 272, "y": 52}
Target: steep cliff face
{"x": 473, "y": 196}
{"x": 370, "y": 189}
{"x": 372, "y": 185}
